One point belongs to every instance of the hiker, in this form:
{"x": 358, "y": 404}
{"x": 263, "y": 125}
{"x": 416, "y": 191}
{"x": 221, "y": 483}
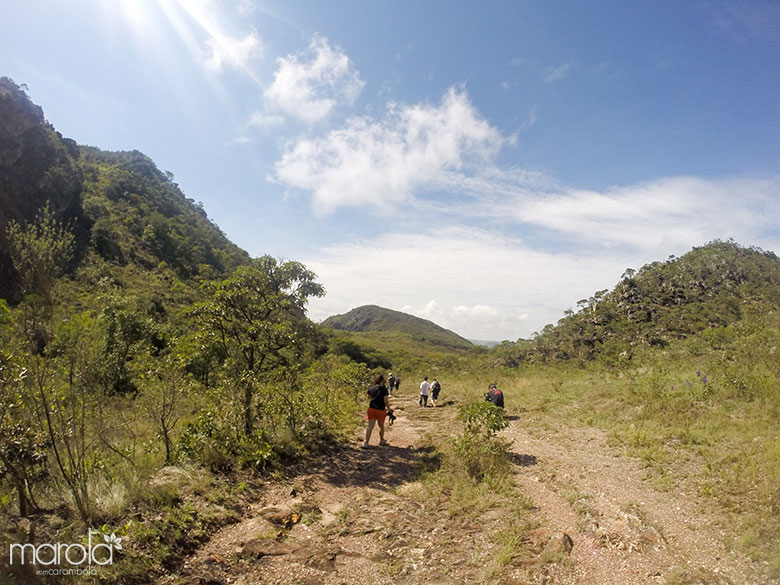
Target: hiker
{"x": 378, "y": 409}
{"x": 435, "y": 389}
{"x": 495, "y": 396}
{"x": 391, "y": 382}
{"x": 397, "y": 383}
{"x": 425, "y": 388}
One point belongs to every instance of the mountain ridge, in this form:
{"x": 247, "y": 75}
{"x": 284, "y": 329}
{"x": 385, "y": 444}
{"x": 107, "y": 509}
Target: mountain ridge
{"x": 710, "y": 288}
{"x": 127, "y": 216}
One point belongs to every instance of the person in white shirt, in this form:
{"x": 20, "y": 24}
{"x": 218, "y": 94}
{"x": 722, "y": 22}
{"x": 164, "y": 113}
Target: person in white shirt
{"x": 425, "y": 388}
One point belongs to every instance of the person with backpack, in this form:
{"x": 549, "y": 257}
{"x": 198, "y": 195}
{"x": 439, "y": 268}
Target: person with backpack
{"x": 378, "y": 409}
{"x": 495, "y": 396}
{"x": 435, "y": 389}
{"x": 391, "y": 382}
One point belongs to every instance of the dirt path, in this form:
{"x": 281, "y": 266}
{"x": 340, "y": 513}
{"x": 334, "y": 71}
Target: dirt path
{"x": 363, "y": 517}
{"x": 624, "y": 529}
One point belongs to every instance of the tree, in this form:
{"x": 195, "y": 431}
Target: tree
{"x": 164, "y": 391}
{"x": 258, "y": 318}
{"x": 22, "y": 453}
{"x": 40, "y": 253}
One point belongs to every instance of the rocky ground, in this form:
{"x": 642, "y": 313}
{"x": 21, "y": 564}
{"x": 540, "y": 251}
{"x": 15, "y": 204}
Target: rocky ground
{"x": 365, "y": 516}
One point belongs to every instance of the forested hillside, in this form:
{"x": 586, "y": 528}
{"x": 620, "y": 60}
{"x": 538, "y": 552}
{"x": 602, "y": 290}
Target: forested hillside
{"x": 709, "y": 288}
{"x": 124, "y": 213}
{"x": 134, "y": 336}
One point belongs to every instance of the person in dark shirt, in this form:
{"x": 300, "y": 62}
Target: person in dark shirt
{"x": 435, "y": 389}
{"x": 378, "y": 408}
{"x": 495, "y": 396}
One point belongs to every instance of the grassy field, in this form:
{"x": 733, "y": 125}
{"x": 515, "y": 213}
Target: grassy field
{"x": 704, "y": 414}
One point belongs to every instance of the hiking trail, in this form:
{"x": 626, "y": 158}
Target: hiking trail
{"x": 363, "y": 516}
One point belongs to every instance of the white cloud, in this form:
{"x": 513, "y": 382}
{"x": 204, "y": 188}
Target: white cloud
{"x": 214, "y": 40}
{"x": 431, "y": 310}
{"x": 309, "y": 86}
{"x": 475, "y": 311}
{"x": 567, "y": 244}
{"x": 552, "y": 74}
{"x": 381, "y": 163}
{"x": 676, "y": 212}
{"x": 235, "y": 52}
{"x": 263, "y": 120}
{"x": 485, "y": 286}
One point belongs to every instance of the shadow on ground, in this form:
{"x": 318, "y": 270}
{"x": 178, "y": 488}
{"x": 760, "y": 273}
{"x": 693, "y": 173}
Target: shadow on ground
{"x": 378, "y": 467}
{"x": 523, "y": 460}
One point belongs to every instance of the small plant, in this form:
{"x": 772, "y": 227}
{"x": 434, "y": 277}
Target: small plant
{"x": 483, "y": 418}
{"x": 479, "y": 449}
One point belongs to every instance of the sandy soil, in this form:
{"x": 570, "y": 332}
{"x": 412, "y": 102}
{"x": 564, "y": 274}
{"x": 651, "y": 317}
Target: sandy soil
{"x": 364, "y": 517}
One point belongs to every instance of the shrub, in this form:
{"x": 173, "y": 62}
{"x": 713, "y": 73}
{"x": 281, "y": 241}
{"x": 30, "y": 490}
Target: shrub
{"x": 480, "y": 451}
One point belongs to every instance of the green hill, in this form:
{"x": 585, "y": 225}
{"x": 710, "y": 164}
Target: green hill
{"x": 371, "y": 318}
{"x": 708, "y": 289}
{"x": 128, "y": 217}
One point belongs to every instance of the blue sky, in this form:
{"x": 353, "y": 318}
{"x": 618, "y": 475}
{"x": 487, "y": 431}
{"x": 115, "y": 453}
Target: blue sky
{"x": 481, "y": 164}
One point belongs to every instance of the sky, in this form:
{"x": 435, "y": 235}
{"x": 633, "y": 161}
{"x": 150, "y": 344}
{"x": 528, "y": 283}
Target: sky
{"x": 484, "y": 165}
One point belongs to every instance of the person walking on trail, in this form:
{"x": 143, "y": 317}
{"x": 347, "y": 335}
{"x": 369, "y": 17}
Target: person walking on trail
{"x": 397, "y": 383}
{"x": 495, "y": 396}
{"x": 435, "y": 389}
{"x": 391, "y": 382}
{"x": 425, "y": 388}
{"x": 378, "y": 409}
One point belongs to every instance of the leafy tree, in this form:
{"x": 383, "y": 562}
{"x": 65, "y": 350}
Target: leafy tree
{"x": 40, "y": 252}
{"x": 258, "y": 318}
{"x": 128, "y": 330}
{"x": 22, "y": 453}
{"x": 164, "y": 391}
{"x": 64, "y": 392}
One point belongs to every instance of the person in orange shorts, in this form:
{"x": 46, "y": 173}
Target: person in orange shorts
{"x": 378, "y": 409}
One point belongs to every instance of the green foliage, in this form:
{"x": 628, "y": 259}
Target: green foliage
{"x": 40, "y": 167}
{"x": 482, "y": 418}
{"x": 483, "y": 454}
{"x": 139, "y": 214}
{"x": 22, "y": 460}
{"x": 711, "y": 287}
{"x": 300, "y": 412}
{"x": 257, "y": 317}
{"x": 702, "y": 411}
{"x": 372, "y": 358}
{"x": 40, "y": 252}
{"x": 164, "y": 392}
{"x": 211, "y": 440}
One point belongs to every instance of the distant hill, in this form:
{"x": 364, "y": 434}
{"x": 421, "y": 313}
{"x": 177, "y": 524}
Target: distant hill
{"x": 371, "y": 318}
{"x": 129, "y": 218}
{"x": 484, "y": 342}
{"x": 711, "y": 287}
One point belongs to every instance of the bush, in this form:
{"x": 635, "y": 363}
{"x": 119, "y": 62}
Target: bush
{"x": 480, "y": 451}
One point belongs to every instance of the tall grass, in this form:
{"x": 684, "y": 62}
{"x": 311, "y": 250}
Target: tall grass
{"x": 706, "y": 409}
